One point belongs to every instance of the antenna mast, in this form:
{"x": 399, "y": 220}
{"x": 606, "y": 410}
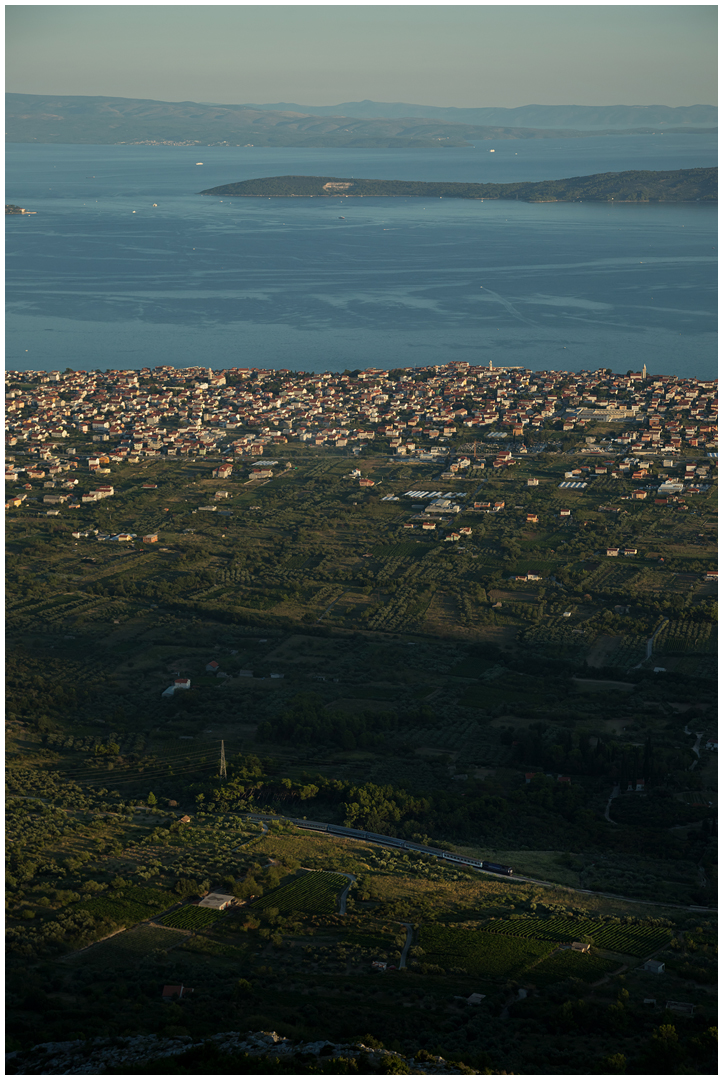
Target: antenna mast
{"x": 222, "y": 764}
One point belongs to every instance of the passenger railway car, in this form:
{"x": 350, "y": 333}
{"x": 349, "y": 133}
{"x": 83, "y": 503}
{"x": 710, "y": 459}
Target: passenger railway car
{"x": 395, "y": 842}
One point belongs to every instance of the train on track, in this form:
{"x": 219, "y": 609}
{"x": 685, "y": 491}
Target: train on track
{"x": 409, "y": 845}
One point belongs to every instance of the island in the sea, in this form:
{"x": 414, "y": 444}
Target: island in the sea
{"x": 675, "y": 185}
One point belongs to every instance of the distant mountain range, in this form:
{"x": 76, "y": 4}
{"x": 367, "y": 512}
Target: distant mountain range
{"x": 64, "y": 119}
{"x": 580, "y": 117}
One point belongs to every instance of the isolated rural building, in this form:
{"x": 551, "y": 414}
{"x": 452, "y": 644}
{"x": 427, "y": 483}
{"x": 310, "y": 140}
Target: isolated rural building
{"x": 656, "y": 966}
{"x": 178, "y": 684}
{"x": 218, "y": 901}
{"x": 685, "y": 1008}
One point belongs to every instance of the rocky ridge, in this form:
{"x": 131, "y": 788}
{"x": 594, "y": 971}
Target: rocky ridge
{"x": 98, "y": 1056}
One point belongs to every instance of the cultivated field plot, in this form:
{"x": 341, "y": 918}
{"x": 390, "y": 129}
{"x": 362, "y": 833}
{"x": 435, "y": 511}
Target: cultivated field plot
{"x": 630, "y": 651}
{"x": 372, "y": 936}
{"x": 559, "y": 639}
{"x": 316, "y": 892}
{"x": 130, "y": 946}
{"x": 132, "y": 906}
{"x": 568, "y": 964}
{"x": 637, "y": 939}
{"x": 686, "y": 636}
{"x": 480, "y": 953}
{"x": 191, "y": 917}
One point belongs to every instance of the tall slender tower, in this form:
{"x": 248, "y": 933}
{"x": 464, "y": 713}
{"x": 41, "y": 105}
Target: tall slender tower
{"x": 645, "y": 372}
{"x": 222, "y": 764}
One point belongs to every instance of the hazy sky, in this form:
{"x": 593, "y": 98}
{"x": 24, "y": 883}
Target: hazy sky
{"x": 473, "y": 55}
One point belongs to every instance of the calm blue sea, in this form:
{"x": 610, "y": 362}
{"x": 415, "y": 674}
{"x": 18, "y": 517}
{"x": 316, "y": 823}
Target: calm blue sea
{"x": 102, "y": 278}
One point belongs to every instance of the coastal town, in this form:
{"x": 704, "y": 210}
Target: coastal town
{"x": 166, "y": 412}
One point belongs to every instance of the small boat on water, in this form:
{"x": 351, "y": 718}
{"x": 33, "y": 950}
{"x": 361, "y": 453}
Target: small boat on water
{"x": 342, "y": 218}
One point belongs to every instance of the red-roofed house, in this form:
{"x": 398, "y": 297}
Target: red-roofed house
{"x": 169, "y": 992}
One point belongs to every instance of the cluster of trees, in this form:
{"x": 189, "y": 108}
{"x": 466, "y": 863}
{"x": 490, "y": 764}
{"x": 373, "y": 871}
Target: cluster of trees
{"x": 309, "y": 722}
{"x": 166, "y": 589}
{"x": 39, "y": 693}
{"x": 555, "y": 749}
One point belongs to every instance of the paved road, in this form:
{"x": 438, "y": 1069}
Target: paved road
{"x": 615, "y": 794}
{"x": 331, "y": 605}
{"x": 342, "y": 898}
{"x": 651, "y": 641}
{"x": 650, "y": 644}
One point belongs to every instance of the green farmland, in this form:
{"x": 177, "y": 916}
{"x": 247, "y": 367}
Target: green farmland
{"x": 479, "y": 953}
{"x": 315, "y": 892}
{"x": 626, "y": 938}
{"x": 192, "y": 918}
